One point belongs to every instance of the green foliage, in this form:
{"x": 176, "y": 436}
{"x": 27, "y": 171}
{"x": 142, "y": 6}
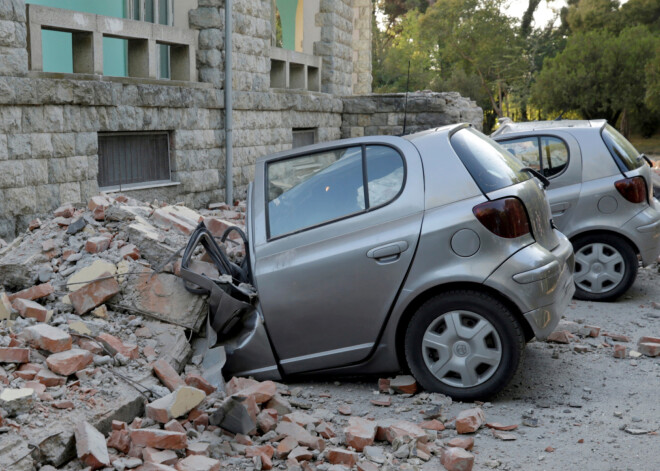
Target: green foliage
{"x": 599, "y": 74}
{"x": 590, "y": 15}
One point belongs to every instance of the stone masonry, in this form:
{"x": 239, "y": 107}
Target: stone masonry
{"x": 50, "y": 123}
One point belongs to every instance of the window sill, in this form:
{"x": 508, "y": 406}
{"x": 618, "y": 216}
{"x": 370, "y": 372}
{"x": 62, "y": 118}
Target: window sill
{"x": 138, "y": 186}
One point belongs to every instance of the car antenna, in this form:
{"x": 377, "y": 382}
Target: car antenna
{"x": 405, "y": 105}
{"x": 561, "y": 116}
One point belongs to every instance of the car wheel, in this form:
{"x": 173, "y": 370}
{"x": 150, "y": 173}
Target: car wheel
{"x": 464, "y": 344}
{"x": 605, "y": 267}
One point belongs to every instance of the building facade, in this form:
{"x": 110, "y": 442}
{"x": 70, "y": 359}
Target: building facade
{"x": 128, "y": 95}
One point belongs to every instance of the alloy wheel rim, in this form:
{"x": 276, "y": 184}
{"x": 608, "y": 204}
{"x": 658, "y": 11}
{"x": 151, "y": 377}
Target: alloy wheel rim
{"x": 599, "y": 268}
{"x": 462, "y": 349}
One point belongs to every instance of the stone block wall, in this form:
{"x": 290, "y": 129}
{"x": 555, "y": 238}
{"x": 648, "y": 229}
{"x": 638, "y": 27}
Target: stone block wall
{"x": 362, "y": 17}
{"x": 335, "y": 18}
{"x": 384, "y": 114}
{"x": 13, "y": 38}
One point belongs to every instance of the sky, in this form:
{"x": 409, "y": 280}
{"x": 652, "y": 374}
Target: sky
{"x": 544, "y": 13}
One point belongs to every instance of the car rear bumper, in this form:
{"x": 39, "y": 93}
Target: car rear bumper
{"x": 540, "y": 282}
{"x": 644, "y": 230}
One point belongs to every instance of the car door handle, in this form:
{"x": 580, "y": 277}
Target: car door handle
{"x": 559, "y": 208}
{"x": 388, "y": 250}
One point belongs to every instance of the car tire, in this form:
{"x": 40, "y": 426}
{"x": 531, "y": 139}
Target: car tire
{"x": 483, "y": 329}
{"x": 603, "y": 254}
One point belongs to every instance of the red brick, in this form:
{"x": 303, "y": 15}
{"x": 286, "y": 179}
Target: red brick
{"x": 120, "y": 440}
{"x": 175, "y": 404}
{"x": 384, "y": 385}
{"x": 301, "y": 454}
{"x": 367, "y": 466}
{"x": 649, "y": 340}
{"x": 174, "y": 426}
{"x": 467, "y": 443}
{"x": 160, "y": 439}
{"x": 650, "y": 349}
{"x": 404, "y": 385}
{"x": 267, "y": 420}
{"x": 27, "y": 308}
{"x": 432, "y": 425}
{"x": 202, "y": 420}
{"x": 63, "y": 405}
{"x": 38, "y": 387}
{"x": 117, "y": 346}
{"x": 49, "y": 338}
{"x": 50, "y": 379}
{"x": 199, "y": 448}
{"x": 65, "y": 211}
{"x": 243, "y": 439}
{"x": 14, "y": 355}
{"x": 197, "y": 381}
{"x": 148, "y": 466}
{"x": 470, "y": 420}
{"x": 260, "y": 392}
{"x": 198, "y": 463}
{"x": 98, "y": 204}
{"x": 97, "y": 244}
{"x": 559, "y": 336}
{"x": 60, "y": 221}
{"x": 403, "y": 429}
{"x": 119, "y": 425}
{"x": 498, "y": 426}
{"x": 34, "y": 224}
{"x": 301, "y": 435}
{"x": 129, "y": 251}
{"x": 360, "y": 433}
{"x": 457, "y": 459}
{"x": 345, "y": 409}
{"x": 619, "y": 351}
{"x": 341, "y": 456}
{"x": 94, "y": 294}
{"x": 325, "y": 430}
{"x": 285, "y": 446}
{"x": 589, "y": 331}
{"x": 217, "y": 226}
{"x": 265, "y": 452}
{"x": 35, "y": 292}
{"x": 91, "y": 447}
{"x": 67, "y": 363}
{"x": 168, "y": 375}
{"x": 617, "y": 337}
{"x": 90, "y": 345}
{"x": 387, "y": 402}
{"x": 166, "y": 457}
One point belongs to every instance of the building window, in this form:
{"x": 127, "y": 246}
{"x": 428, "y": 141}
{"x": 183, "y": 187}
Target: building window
{"x": 133, "y": 159}
{"x": 303, "y": 137}
{"x": 159, "y": 12}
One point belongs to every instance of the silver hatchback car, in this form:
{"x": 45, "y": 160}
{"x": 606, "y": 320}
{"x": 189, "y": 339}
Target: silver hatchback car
{"x": 432, "y": 252}
{"x": 600, "y": 194}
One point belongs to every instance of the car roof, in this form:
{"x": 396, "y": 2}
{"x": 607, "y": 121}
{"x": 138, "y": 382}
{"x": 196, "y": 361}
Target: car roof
{"x": 507, "y": 126}
{"x": 356, "y": 141}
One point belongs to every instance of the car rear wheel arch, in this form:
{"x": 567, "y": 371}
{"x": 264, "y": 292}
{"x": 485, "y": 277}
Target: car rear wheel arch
{"x": 599, "y": 232}
{"x": 416, "y": 303}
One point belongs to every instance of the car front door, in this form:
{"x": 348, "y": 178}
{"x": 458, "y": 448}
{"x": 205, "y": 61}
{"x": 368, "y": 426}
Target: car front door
{"x": 556, "y": 156}
{"x": 330, "y": 256}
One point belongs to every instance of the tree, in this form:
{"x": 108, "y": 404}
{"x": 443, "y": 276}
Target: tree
{"x": 597, "y": 74}
{"x": 590, "y": 15}
{"x": 395, "y": 9}
{"x": 476, "y": 36}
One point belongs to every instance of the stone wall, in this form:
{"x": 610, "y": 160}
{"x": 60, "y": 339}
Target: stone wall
{"x": 384, "y": 114}
{"x": 362, "y": 17}
{"x": 335, "y": 18}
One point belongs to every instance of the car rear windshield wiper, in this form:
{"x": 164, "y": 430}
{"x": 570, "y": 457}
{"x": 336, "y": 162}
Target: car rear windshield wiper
{"x": 644, "y": 156}
{"x": 545, "y": 181}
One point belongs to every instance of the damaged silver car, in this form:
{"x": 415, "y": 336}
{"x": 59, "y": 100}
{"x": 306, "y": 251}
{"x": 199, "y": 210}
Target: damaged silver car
{"x": 432, "y": 253}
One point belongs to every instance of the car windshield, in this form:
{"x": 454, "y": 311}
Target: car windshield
{"x": 491, "y": 166}
{"x": 624, "y": 153}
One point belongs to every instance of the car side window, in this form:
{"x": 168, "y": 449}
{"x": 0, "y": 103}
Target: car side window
{"x": 555, "y": 155}
{"x": 310, "y": 190}
{"x": 526, "y": 150}
{"x": 384, "y": 174}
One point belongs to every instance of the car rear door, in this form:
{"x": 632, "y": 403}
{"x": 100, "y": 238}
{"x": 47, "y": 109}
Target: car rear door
{"x": 330, "y": 258}
{"x": 557, "y": 156}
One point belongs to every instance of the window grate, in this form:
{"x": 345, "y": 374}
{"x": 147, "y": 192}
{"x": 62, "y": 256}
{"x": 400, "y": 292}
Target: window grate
{"x": 132, "y": 158}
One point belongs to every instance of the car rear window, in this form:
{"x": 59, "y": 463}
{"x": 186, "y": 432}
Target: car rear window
{"x": 624, "y": 153}
{"x": 492, "y": 167}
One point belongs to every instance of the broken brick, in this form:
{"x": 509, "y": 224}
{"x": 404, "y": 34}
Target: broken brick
{"x": 174, "y": 426}
{"x": 404, "y": 384}
{"x": 405, "y": 430}
{"x": 382, "y": 402}
{"x": 498, "y": 426}
{"x": 360, "y": 433}
{"x": 175, "y": 404}
{"x": 120, "y": 440}
{"x": 341, "y": 456}
{"x": 14, "y": 355}
{"x": 50, "y": 379}
{"x": 198, "y": 463}
{"x": 160, "y": 439}
{"x": 344, "y": 409}
{"x": 116, "y": 346}
{"x": 94, "y": 294}
{"x": 90, "y": 446}
{"x": 265, "y": 452}
{"x": 49, "y": 338}
{"x": 467, "y": 443}
{"x": 65, "y": 211}
{"x": 34, "y": 224}
{"x": 301, "y": 453}
{"x": 589, "y": 331}
{"x": 267, "y": 420}
{"x": 457, "y": 459}
{"x": 432, "y": 425}
{"x": 617, "y": 337}
{"x": 197, "y": 381}
{"x": 97, "y": 244}
{"x": 650, "y": 349}
{"x": 559, "y": 336}
{"x": 301, "y": 435}
{"x": 261, "y": 391}
{"x": 200, "y": 448}
{"x": 70, "y": 361}
{"x": 166, "y": 457}
{"x": 90, "y": 345}
{"x": 62, "y": 404}
{"x": 383, "y": 385}
{"x": 35, "y": 292}
{"x": 619, "y": 351}
{"x": 325, "y": 430}
{"x": 167, "y": 375}
{"x": 27, "y": 308}
{"x": 470, "y": 420}
{"x": 285, "y": 446}
{"x": 129, "y": 251}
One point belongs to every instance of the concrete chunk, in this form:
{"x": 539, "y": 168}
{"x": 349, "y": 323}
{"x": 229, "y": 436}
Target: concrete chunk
{"x": 175, "y": 405}
{"x": 91, "y": 447}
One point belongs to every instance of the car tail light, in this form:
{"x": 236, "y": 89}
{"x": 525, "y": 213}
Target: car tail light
{"x": 505, "y": 217}
{"x": 633, "y": 189}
